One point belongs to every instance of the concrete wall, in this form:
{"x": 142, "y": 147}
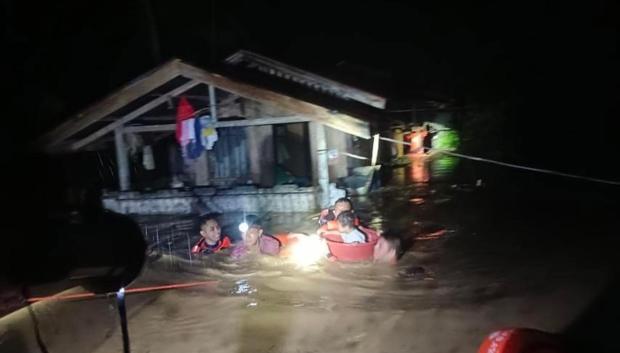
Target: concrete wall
{"x": 283, "y": 198}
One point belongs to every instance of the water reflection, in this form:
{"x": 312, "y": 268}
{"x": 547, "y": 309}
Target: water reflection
{"x": 443, "y": 166}
{"x": 243, "y": 287}
{"x": 423, "y": 168}
{"x": 418, "y": 170}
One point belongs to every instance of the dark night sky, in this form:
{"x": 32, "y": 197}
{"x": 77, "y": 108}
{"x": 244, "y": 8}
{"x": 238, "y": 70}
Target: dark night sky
{"x": 546, "y": 71}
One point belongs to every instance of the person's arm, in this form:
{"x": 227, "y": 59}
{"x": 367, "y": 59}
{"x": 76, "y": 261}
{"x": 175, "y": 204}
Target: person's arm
{"x": 325, "y": 216}
{"x": 322, "y": 229}
{"x": 269, "y": 245}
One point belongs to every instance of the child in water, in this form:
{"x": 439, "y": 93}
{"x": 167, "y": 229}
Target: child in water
{"x": 348, "y": 230}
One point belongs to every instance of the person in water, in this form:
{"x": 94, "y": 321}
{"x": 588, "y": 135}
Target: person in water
{"x": 387, "y": 250}
{"x": 327, "y": 219}
{"x": 211, "y": 238}
{"x": 348, "y": 230}
{"x": 330, "y": 214}
{"x": 255, "y": 241}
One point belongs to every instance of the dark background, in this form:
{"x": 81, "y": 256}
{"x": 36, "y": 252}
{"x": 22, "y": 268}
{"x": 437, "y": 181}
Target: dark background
{"x": 539, "y": 79}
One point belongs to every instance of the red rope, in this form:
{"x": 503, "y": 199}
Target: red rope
{"x": 129, "y": 290}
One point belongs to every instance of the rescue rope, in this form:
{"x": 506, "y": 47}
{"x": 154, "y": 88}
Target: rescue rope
{"x": 88, "y": 295}
{"x": 510, "y": 165}
{"x": 353, "y": 156}
{"x": 120, "y": 303}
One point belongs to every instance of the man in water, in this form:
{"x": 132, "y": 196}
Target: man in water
{"x": 211, "y": 240}
{"x": 387, "y": 250}
{"x": 255, "y": 241}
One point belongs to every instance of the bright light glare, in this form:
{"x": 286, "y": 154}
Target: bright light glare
{"x": 243, "y": 227}
{"x": 308, "y": 250}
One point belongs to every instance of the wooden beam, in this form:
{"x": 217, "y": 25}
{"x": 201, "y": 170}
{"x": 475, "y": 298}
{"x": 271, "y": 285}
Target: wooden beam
{"x": 314, "y": 157}
{"x": 132, "y": 115}
{"x": 375, "y": 150}
{"x": 317, "y": 113}
{"x": 122, "y": 160}
{"x": 212, "y": 103}
{"x": 315, "y": 81}
{"x": 111, "y": 103}
{"x": 323, "y": 164}
{"x": 232, "y": 123}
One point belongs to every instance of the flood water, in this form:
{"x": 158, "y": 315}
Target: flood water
{"x": 514, "y": 253}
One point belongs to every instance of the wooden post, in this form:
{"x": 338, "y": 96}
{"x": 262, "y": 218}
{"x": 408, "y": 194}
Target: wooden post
{"x": 202, "y": 164}
{"x": 313, "y": 154}
{"x": 323, "y": 166}
{"x": 212, "y": 103}
{"x": 375, "y": 149}
{"x": 122, "y": 160}
{"x": 398, "y": 135}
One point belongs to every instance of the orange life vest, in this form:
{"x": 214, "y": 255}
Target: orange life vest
{"x": 202, "y": 246}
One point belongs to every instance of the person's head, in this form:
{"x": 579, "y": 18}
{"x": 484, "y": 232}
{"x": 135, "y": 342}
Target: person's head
{"x": 251, "y": 236}
{"x": 341, "y": 205}
{"x": 210, "y": 229}
{"x": 346, "y": 221}
{"x": 387, "y": 250}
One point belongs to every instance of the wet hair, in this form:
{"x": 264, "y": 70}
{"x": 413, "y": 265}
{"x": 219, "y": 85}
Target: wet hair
{"x": 344, "y": 199}
{"x": 346, "y": 219}
{"x": 255, "y": 226}
{"x": 208, "y": 217}
{"x": 394, "y": 243}
{"x": 252, "y": 221}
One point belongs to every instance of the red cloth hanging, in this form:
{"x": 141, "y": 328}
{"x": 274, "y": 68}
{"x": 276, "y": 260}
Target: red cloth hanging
{"x": 184, "y": 112}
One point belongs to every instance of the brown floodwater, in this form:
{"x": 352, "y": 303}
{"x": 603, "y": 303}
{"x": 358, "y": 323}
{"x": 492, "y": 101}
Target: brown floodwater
{"x": 509, "y": 257}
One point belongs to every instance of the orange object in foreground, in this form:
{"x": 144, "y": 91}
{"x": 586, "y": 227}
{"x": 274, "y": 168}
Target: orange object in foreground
{"x": 88, "y": 295}
{"x": 520, "y": 341}
{"x": 354, "y": 251}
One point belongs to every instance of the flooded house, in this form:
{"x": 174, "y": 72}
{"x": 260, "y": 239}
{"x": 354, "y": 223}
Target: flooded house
{"x": 265, "y": 137}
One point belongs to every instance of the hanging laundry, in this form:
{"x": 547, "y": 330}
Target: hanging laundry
{"x": 209, "y": 133}
{"x": 188, "y": 133}
{"x": 148, "y": 161}
{"x": 195, "y": 147}
{"x": 184, "y": 111}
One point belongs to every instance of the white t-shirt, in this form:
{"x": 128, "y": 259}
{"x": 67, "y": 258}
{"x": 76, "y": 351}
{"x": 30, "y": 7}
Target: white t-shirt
{"x": 354, "y": 236}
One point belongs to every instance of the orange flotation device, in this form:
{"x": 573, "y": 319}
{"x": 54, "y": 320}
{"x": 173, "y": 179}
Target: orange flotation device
{"x": 202, "y": 246}
{"x": 520, "y": 341}
{"x": 355, "y": 251}
{"x": 285, "y": 240}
